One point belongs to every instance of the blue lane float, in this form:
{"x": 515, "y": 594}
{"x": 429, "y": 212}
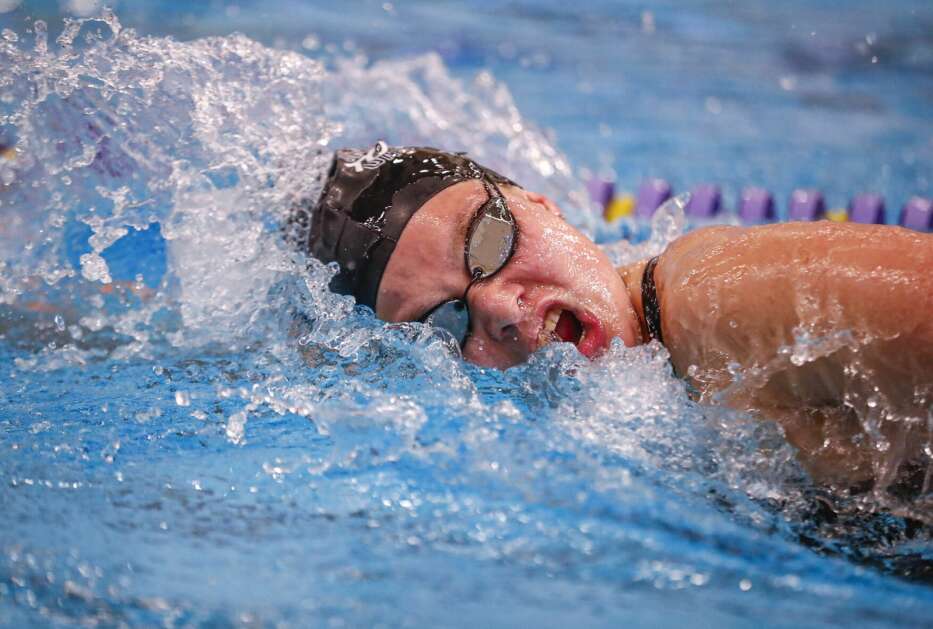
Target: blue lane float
{"x": 756, "y": 205}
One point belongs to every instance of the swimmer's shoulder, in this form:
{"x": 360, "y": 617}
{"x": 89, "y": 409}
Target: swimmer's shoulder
{"x": 873, "y": 278}
{"x": 693, "y": 256}
{"x": 718, "y": 247}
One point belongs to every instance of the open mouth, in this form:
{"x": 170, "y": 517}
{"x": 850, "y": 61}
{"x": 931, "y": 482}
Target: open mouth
{"x": 581, "y": 328}
{"x": 562, "y": 325}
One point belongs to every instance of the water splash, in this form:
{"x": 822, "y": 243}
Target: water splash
{"x": 668, "y": 223}
{"x": 184, "y": 381}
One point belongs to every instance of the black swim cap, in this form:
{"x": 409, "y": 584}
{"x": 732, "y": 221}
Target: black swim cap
{"x": 367, "y": 201}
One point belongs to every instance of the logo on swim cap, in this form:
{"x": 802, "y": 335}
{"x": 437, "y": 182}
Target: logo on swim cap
{"x": 373, "y": 158}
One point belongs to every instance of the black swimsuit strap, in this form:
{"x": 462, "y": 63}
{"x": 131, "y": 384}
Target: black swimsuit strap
{"x": 649, "y": 301}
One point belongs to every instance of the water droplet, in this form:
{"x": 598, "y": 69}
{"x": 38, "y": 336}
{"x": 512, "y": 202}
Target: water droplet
{"x": 94, "y": 268}
{"x": 236, "y": 427}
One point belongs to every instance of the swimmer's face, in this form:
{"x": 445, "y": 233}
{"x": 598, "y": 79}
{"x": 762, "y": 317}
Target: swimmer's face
{"x": 558, "y": 285}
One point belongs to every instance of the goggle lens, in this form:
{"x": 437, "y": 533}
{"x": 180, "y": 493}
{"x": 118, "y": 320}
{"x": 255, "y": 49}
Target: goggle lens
{"x": 453, "y": 317}
{"x": 491, "y": 239}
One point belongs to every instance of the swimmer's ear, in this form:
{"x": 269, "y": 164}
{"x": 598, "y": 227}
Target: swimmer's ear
{"x": 551, "y": 207}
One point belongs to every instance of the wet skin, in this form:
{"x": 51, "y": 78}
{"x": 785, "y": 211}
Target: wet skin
{"x": 728, "y": 295}
{"x": 856, "y": 401}
{"x": 554, "y": 269}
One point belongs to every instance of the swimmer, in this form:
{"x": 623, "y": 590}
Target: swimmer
{"x": 830, "y": 325}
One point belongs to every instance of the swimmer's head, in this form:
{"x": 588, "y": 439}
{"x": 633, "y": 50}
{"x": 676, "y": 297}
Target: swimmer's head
{"x": 424, "y": 235}
{"x": 367, "y": 201}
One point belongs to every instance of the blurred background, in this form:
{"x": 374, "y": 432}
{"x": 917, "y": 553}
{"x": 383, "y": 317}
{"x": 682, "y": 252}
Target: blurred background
{"x": 835, "y": 95}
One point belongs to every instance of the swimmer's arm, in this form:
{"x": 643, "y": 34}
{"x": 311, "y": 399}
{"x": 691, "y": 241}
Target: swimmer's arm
{"x": 738, "y": 295}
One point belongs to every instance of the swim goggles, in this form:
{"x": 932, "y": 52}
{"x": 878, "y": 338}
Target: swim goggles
{"x": 490, "y": 243}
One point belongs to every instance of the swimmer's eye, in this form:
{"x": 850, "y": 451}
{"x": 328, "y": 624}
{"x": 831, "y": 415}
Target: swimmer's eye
{"x": 489, "y": 245}
{"x": 491, "y": 239}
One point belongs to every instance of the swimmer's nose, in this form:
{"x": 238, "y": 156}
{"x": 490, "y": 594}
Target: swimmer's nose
{"x": 497, "y": 309}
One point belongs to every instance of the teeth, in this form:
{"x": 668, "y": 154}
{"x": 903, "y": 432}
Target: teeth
{"x": 547, "y": 334}
{"x": 547, "y": 330}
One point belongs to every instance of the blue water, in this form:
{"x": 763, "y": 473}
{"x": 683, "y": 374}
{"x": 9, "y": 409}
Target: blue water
{"x": 194, "y": 432}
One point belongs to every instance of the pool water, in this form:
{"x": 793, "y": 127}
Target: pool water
{"x": 195, "y": 432}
